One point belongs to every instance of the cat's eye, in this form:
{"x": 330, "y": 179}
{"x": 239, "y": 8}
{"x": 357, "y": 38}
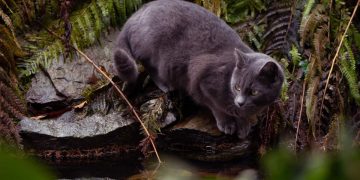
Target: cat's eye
{"x": 237, "y": 87}
{"x": 254, "y": 92}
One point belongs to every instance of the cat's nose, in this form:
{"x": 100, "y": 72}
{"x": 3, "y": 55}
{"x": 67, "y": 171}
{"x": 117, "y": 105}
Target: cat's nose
{"x": 239, "y": 101}
{"x": 240, "y": 104}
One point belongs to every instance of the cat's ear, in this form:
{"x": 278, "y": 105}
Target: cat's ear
{"x": 240, "y": 57}
{"x": 269, "y": 72}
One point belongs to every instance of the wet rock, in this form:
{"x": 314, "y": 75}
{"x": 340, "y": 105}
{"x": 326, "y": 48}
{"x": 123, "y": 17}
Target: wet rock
{"x": 70, "y": 124}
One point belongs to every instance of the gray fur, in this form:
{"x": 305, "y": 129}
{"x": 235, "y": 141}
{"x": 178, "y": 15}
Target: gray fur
{"x": 185, "y": 47}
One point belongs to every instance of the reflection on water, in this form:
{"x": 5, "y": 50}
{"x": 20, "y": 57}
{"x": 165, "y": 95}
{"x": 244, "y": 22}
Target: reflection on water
{"x": 172, "y": 168}
{"x": 103, "y": 169}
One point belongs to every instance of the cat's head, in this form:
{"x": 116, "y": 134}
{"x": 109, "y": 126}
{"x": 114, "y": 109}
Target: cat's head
{"x": 256, "y": 81}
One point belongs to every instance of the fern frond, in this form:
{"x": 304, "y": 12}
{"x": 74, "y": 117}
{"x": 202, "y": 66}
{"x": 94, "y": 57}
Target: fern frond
{"x": 87, "y": 25}
{"x": 252, "y": 38}
{"x": 311, "y": 22}
{"x": 284, "y": 90}
{"x": 88, "y": 93}
{"x": 351, "y": 56}
{"x": 332, "y": 140}
{"x": 320, "y": 40}
{"x": 9, "y": 49}
{"x": 311, "y": 100}
{"x": 104, "y": 9}
{"x": 8, "y": 23}
{"x": 350, "y": 74}
{"x": 282, "y": 26}
{"x": 308, "y": 6}
{"x": 239, "y": 11}
{"x": 280, "y": 23}
{"x": 295, "y": 57}
{"x": 312, "y": 69}
{"x": 98, "y": 24}
{"x": 86, "y": 19}
{"x": 45, "y": 57}
{"x": 112, "y": 14}
{"x": 120, "y": 9}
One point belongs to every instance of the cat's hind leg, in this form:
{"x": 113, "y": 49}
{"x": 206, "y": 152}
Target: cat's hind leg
{"x": 160, "y": 84}
{"x": 125, "y": 65}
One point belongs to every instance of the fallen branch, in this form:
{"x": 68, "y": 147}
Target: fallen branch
{"x": 132, "y": 109}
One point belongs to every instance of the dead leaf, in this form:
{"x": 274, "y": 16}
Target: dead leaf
{"x": 40, "y": 117}
{"x": 80, "y": 106}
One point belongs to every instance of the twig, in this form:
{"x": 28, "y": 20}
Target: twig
{"x": 337, "y": 53}
{"x": 300, "y": 113}
{"x": 118, "y": 90}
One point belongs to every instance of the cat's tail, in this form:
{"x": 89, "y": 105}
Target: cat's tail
{"x": 124, "y": 62}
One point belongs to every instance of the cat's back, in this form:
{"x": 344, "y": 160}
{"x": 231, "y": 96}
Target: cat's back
{"x": 176, "y": 23}
{"x": 167, "y": 14}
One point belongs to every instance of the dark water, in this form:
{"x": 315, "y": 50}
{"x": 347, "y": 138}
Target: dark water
{"x": 139, "y": 169}
{"x": 104, "y": 169}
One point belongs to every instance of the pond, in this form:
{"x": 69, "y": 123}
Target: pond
{"x": 173, "y": 167}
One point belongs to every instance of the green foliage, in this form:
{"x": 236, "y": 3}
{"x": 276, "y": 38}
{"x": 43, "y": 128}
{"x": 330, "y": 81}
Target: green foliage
{"x": 88, "y": 23}
{"x": 253, "y": 35}
{"x": 295, "y": 57}
{"x": 285, "y": 87}
{"x": 283, "y": 164}
{"x": 313, "y": 31}
{"x": 307, "y": 9}
{"x": 26, "y": 12}
{"x": 240, "y": 11}
{"x": 311, "y": 100}
{"x": 310, "y": 23}
{"x": 348, "y": 68}
{"x": 215, "y": 6}
{"x": 320, "y": 32}
{"x": 89, "y": 92}
{"x": 15, "y": 165}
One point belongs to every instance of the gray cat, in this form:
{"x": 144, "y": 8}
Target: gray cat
{"x": 185, "y": 47}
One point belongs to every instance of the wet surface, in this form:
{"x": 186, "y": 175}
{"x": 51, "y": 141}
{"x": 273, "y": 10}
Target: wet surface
{"x": 105, "y": 169}
{"x": 138, "y": 169}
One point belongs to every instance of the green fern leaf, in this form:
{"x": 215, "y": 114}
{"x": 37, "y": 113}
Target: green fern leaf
{"x": 311, "y": 100}
{"x": 320, "y": 40}
{"x": 350, "y": 75}
{"x": 308, "y": 6}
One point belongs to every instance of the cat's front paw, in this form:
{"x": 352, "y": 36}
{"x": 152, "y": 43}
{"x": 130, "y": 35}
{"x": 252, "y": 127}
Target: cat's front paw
{"x": 228, "y": 126}
{"x": 243, "y": 129}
